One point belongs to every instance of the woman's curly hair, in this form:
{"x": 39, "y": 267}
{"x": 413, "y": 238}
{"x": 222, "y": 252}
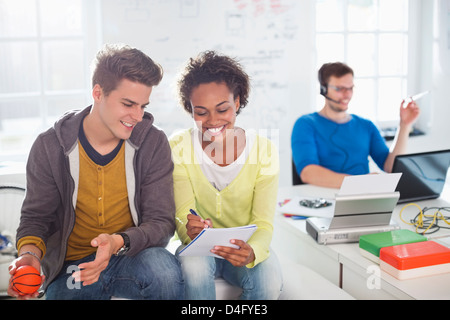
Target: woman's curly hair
{"x": 207, "y": 67}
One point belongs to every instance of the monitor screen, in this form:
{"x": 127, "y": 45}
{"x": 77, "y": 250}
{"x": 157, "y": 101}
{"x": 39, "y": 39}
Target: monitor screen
{"x": 423, "y": 174}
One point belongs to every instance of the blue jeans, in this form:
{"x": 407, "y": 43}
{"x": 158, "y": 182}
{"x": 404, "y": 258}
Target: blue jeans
{"x": 262, "y": 282}
{"x": 152, "y": 274}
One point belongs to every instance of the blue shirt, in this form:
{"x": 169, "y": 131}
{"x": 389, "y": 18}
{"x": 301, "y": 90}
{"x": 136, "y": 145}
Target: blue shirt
{"x": 342, "y": 148}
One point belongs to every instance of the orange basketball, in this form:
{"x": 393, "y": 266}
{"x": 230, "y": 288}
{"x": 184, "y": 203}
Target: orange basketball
{"x": 26, "y": 280}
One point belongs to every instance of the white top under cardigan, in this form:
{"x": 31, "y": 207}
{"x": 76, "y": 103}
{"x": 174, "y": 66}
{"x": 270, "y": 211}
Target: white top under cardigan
{"x": 219, "y": 176}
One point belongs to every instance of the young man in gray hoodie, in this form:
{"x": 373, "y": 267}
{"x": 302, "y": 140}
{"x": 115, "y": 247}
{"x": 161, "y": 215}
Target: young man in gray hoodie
{"x": 99, "y": 205}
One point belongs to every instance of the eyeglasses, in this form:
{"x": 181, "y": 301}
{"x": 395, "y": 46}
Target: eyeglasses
{"x": 341, "y": 89}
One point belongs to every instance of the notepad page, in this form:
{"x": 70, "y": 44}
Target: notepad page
{"x": 210, "y": 237}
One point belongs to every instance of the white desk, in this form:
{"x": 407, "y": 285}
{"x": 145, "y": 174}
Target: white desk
{"x": 343, "y": 264}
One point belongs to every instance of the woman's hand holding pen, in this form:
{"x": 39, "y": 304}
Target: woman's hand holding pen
{"x": 196, "y": 224}
{"x": 239, "y": 257}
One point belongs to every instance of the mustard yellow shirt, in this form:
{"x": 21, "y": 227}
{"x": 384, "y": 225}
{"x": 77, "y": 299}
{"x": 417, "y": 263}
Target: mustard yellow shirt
{"x": 249, "y": 199}
{"x": 102, "y": 203}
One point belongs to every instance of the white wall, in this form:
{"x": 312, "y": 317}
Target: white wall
{"x": 275, "y": 45}
{"x": 270, "y": 108}
{"x": 434, "y": 75}
{"x": 441, "y": 75}
{"x": 284, "y": 85}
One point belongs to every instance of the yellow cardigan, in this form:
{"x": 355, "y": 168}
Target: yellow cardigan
{"x": 249, "y": 199}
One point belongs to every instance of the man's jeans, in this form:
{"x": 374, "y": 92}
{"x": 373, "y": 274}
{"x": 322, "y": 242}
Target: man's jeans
{"x": 152, "y": 274}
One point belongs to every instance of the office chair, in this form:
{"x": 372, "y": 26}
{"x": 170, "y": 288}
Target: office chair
{"x": 295, "y": 176}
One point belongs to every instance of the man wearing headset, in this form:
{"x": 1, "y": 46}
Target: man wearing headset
{"x": 332, "y": 143}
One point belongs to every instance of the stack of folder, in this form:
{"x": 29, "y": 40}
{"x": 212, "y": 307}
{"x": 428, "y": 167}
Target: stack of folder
{"x": 405, "y": 254}
{"x": 415, "y": 260}
{"x": 371, "y": 244}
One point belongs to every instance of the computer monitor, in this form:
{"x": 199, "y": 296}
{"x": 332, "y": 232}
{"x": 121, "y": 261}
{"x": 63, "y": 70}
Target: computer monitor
{"x": 423, "y": 175}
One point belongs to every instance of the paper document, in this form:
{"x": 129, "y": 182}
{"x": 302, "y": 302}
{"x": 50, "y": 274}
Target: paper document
{"x": 352, "y": 185}
{"x": 294, "y": 207}
{"x": 370, "y": 184}
{"x": 210, "y": 237}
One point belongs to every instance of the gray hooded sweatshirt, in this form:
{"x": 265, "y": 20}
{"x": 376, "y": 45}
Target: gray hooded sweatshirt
{"x": 48, "y": 211}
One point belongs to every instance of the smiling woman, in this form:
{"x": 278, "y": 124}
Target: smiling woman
{"x": 211, "y": 67}
{"x": 236, "y": 173}
{"x": 215, "y": 111}
{"x": 221, "y": 141}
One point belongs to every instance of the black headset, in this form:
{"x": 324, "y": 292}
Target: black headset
{"x": 324, "y": 88}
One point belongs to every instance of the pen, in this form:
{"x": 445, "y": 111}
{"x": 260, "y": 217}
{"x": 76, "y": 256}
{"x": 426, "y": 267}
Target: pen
{"x": 194, "y": 213}
{"x": 417, "y": 96}
{"x": 295, "y": 216}
{"x": 299, "y": 218}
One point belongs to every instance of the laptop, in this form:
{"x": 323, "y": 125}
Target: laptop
{"x": 423, "y": 175}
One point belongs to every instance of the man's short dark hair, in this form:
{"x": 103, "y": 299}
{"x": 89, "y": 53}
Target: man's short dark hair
{"x": 336, "y": 69}
{"x": 115, "y": 62}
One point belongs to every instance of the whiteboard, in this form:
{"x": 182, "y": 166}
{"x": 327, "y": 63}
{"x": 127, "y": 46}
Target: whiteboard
{"x": 262, "y": 34}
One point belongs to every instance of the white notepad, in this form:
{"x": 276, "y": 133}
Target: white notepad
{"x": 210, "y": 237}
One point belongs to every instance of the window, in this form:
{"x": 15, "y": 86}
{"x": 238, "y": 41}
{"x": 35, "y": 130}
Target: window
{"x": 371, "y": 36}
{"x": 43, "y": 68}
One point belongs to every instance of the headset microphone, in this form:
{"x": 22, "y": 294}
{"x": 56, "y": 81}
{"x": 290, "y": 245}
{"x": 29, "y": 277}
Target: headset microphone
{"x": 328, "y": 98}
{"x": 324, "y": 91}
{"x": 324, "y": 88}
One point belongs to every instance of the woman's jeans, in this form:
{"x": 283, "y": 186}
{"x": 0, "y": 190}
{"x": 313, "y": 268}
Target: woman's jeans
{"x": 262, "y": 282}
{"x": 154, "y": 273}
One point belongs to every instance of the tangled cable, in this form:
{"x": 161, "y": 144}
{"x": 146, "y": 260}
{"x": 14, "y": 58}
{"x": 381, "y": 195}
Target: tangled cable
{"x": 429, "y": 223}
